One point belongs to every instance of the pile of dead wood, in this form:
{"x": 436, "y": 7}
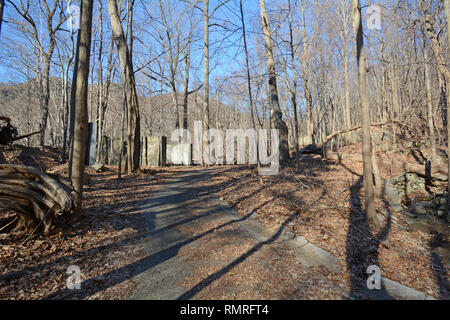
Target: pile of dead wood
{"x": 36, "y": 197}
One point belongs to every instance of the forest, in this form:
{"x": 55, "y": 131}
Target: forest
{"x": 320, "y": 170}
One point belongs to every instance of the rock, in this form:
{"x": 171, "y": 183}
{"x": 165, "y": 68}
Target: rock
{"x": 441, "y": 213}
{"x": 437, "y": 201}
{"x": 301, "y": 241}
{"x": 443, "y": 201}
{"x": 420, "y": 210}
{"x": 396, "y": 208}
{"x": 428, "y": 226}
{"x": 409, "y": 214}
{"x": 443, "y": 207}
{"x": 391, "y": 194}
{"x": 98, "y": 167}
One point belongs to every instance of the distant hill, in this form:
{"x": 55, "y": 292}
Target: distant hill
{"x": 20, "y": 102}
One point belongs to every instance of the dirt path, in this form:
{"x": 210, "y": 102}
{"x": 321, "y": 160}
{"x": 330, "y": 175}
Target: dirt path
{"x": 189, "y": 244}
{"x": 199, "y": 248}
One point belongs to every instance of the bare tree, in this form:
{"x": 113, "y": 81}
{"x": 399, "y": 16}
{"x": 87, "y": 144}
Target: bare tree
{"x": 447, "y": 17}
{"x": 80, "y": 140}
{"x": 439, "y": 55}
{"x": 2, "y": 6}
{"x": 365, "y": 115}
{"x": 277, "y": 115}
{"x": 30, "y": 27}
{"x": 126, "y": 63}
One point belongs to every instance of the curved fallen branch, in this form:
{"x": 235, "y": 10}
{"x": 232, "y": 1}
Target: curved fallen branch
{"x": 318, "y": 148}
{"x": 33, "y": 195}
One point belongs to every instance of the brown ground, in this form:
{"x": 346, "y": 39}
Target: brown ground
{"x": 98, "y": 241}
{"x": 324, "y": 199}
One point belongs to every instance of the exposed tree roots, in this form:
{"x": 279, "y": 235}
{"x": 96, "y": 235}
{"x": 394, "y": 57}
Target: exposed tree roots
{"x": 34, "y": 196}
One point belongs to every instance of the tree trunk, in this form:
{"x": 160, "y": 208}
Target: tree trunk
{"x": 430, "y": 112}
{"x": 206, "y": 73}
{"x": 249, "y": 85}
{"x": 99, "y": 156}
{"x": 348, "y": 121}
{"x": 126, "y": 65}
{"x": 365, "y": 115}
{"x": 66, "y": 99}
{"x": 440, "y": 57}
{"x": 277, "y": 115}
{"x": 81, "y": 113}
{"x": 104, "y": 103}
{"x": 187, "y": 62}
{"x": 46, "y": 92}
{"x": 72, "y": 106}
{"x": 447, "y": 17}
{"x": 293, "y": 90}
{"x": 2, "y": 6}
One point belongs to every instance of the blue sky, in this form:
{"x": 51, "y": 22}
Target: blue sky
{"x": 222, "y": 62}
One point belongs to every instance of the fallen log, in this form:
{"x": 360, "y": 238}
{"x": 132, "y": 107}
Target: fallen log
{"x": 33, "y": 195}
{"x": 26, "y": 136}
{"x": 321, "y": 147}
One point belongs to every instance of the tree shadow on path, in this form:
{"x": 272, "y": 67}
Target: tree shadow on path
{"x": 362, "y": 248}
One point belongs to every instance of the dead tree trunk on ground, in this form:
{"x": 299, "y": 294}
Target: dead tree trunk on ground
{"x": 35, "y": 196}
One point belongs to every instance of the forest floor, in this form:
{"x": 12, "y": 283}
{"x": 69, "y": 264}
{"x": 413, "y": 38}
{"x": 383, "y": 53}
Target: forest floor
{"x": 112, "y": 240}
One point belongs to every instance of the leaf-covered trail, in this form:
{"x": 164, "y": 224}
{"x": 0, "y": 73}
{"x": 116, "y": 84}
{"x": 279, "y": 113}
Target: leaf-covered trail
{"x": 198, "y": 248}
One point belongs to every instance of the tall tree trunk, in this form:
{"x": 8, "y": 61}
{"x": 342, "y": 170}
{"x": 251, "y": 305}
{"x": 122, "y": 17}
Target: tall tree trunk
{"x": 104, "y": 100}
{"x": 440, "y": 57}
{"x": 72, "y": 105}
{"x": 46, "y": 92}
{"x": 305, "y": 80}
{"x": 126, "y": 65}
{"x": 277, "y": 115}
{"x": 394, "y": 82}
{"x": 2, "y": 6}
{"x": 206, "y": 70}
{"x": 430, "y": 111}
{"x": 81, "y": 112}
{"x": 293, "y": 89}
{"x": 99, "y": 156}
{"x": 365, "y": 115}
{"x": 249, "y": 85}
{"x": 187, "y": 63}
{"x": 447, "y": 17}
{"x": 66, "y": 98}
{"x": 348, "y": 121}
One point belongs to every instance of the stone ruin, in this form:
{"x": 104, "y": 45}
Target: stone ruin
{"x": 428, "y": 210}
{"x": 155, "y": 152}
